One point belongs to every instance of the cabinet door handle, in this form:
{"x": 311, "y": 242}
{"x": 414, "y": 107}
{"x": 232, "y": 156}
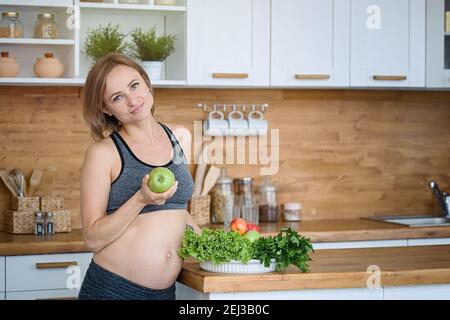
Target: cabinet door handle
{"x": 312, "y": 76}
{"x": 389, "y": 78}
{"x": 230, "y": 75}
{"x": 60, "y": 298}
{"x": 55, "y": 265}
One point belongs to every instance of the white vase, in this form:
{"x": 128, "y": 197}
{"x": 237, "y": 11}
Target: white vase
{"x": 154, "y": 69}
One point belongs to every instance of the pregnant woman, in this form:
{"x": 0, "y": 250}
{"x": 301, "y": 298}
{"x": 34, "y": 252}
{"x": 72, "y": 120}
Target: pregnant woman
{"x": 133, "y": 232}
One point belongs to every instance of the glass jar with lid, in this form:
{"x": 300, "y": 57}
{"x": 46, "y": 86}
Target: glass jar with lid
{"x": 10, "y": 25}
{"x": 268, "y": 204}
{"x": 46, "y": 27}
{"x": 222, "y": 199}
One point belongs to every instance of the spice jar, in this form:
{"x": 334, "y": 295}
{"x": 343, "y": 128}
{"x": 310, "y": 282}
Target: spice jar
{"x": 268, "y": 206}
{"x": 10, "y": 25}
{"x": 49, "y": 223}
{"x": 39, "y": 224}
{"x": 222, "y": 198}
{"x": 8, "y": 66}
{"x": 46, "y": 27}
{"x": 291, "y": 211}
{"x": 48, "y": 67}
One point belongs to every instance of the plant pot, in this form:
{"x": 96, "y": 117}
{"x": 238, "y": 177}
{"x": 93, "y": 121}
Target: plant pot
{"x": 154, "y": 69}
{"x": 8, "y": 66}
{"x": 48, "y": 67}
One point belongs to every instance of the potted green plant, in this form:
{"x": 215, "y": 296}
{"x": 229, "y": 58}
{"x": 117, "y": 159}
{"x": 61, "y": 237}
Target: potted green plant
{"x": 104, "y": 40}
{"x": 152, "y": 50}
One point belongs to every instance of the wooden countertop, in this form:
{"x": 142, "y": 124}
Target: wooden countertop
{"x": 316, "y": 230}
{"x": 355, "y": 230}
{"x": 340, "y": 268}
{"x": 12, "y": 244}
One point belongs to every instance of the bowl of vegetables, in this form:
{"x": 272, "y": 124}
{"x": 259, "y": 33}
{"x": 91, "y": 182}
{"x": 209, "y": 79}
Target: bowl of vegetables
{"x": 218, "y": 250}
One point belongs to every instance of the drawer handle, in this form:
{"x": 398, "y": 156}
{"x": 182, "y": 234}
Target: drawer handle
{"x": 390, "y": 78}
{"x": 230, "y": 75}
{"x": 55, "y": 265}
{"x": 312, "y": 76}
{"x": 60, "y": 298}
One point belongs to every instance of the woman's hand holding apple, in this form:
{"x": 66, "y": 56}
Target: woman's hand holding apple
{"x": 149, "y": 197}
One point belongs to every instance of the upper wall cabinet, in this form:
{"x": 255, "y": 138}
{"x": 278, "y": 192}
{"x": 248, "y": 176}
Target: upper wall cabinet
{"x": 388, "y": 43}
{"x": 310, "y": 43}
{"x": 228, "y": 42}
{"x": 438, "y": 44}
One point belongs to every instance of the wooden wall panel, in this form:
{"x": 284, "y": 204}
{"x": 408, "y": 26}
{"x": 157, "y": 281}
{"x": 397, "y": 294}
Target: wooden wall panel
{"x": 343, "y": 153}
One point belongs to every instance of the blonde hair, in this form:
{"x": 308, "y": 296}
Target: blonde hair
{"x": 99, "y": 123}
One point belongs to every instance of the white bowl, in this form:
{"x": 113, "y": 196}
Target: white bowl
{"x": 253, "y": 266}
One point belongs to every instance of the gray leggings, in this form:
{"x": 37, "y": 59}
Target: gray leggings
{"x": 101, "y": 284}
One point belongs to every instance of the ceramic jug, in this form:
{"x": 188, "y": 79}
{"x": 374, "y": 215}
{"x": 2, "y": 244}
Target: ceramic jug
{"x": 48, "y": 67}
{"x": 8, "y": 66}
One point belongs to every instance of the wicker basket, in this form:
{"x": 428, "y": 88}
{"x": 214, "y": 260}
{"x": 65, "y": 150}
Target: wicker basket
{"x": 52, "y": 203}
{"x": 199, "y": 208}
{"x": 24, "y": 203}
{"x": 22, "y": 222}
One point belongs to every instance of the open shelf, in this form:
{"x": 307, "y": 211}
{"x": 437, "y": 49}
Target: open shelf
{"x": 60, "y": 42}
{"x": 43, "y": 81}
{"x": 122, "y": 6}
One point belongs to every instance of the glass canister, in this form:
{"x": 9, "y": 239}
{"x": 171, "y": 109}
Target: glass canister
{"x": 10, "y": 25}
{"x": 46, "y": 27}
{"x": 222, "y": 198}
{"x": 268, "y": 204}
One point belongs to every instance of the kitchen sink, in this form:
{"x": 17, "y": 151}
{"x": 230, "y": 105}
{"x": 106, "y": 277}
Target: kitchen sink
{"x": 415, "y": 221}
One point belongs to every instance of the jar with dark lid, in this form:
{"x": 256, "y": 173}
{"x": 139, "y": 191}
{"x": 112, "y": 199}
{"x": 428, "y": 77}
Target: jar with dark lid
{"x": 268, "y": 204}
{"x": 10, "y": 25}
{"x": 222, "y": 199}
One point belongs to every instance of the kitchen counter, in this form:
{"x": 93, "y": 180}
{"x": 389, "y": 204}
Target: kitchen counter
{"x": 340, "y": 268}
{"x": 316, "y": 230}
{"x": 12, "y": 244}
{"x": 355, "y": 230}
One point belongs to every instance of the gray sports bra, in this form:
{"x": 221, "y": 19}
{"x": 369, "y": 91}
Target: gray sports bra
{"x": 133, "y": 171}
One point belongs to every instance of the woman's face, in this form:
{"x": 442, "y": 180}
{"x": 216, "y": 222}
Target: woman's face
{"x": 127, "y": 95}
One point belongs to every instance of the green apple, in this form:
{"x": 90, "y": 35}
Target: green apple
{"x": 161, "y": 179}
{"x": 252, "y": 235}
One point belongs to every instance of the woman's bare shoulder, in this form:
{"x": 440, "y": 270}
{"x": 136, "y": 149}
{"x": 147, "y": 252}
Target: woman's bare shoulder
{"x": 100, "y": 151}
{"x": 181, "y": 132}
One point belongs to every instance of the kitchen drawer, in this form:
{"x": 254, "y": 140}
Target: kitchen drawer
{"x": 62, "y": 294}
{"x": 47, "y": 271}
{"x": 2, "y": 275}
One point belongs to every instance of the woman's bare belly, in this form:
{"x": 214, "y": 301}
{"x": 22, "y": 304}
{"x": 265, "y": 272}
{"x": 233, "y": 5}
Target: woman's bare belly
{"x": 146, "y": 253}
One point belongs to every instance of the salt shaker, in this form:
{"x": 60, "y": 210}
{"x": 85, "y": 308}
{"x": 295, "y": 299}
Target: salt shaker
{"x": 39, "y": 224}
{"x": 49, "y": 223}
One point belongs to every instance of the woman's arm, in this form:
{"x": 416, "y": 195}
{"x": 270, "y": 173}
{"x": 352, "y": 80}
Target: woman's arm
{"x": 99, "y": 229}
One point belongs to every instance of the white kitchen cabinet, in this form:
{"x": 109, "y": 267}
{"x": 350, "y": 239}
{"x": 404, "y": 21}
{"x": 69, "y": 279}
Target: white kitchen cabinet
{"x": 438, "y": 45}
{"x": 310, "y": 43}
{"x": 387, "y": 43}
{"x": 428, "y": 242}
{"x": 2, "y": 277}
{"x": 61, "y": 294}
{"x": 421, "y": 292}
{"x": 46, "y": 272}
{"x": 228, "y": 42}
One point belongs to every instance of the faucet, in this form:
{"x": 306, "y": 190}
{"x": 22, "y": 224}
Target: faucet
{"x": 442, "y": 198}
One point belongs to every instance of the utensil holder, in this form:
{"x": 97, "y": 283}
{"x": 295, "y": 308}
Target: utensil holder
{"x": 22, "y": 222}
{"x": 199, "y": 208}
{"x": 52, "y": 203}
{"x": 24, "y": 203}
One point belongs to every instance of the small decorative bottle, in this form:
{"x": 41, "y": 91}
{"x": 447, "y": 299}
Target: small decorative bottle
{"x": 39, "y": 224}
{"x": 49, "y": 223}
